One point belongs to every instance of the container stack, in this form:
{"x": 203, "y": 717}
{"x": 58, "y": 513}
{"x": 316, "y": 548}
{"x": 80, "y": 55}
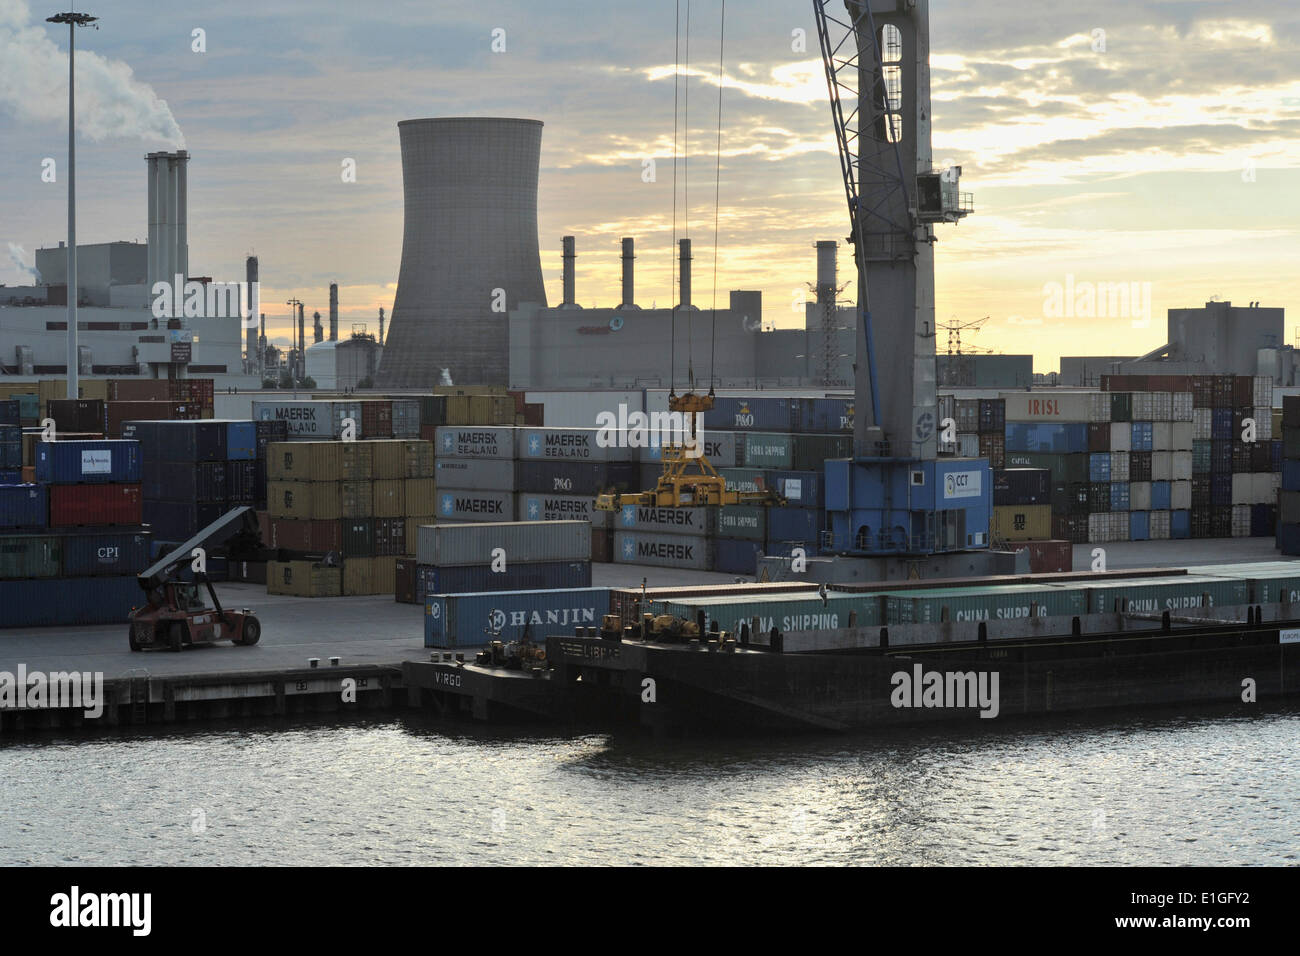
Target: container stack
{"x": 496, "y": 556}
{"x": 194, "y": 472}
{"x": 72, "y": 543}
{"x": 472, "y": 620}
{"x": 475, "y": 473}
{"x": 11, "y": 442}
{"x": 359, "y": 500}
{"x": 1288, "y": 506}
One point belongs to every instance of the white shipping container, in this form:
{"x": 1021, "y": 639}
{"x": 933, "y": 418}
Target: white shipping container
{"x": 1049, "y": 406}
{"x": 1121, "y": 436}
{"x": 310, "y": 420}
{"x": 1158, "y": 525}
{"x": 1263, "y": 424}
{"x": 1241, "y": 521}
{"x": 1264, "y": 487}
{"x": 1144, "y": 406}
{"x": 523, "y": 542}
{"x": 1139, "y": 496}
{"x": 582, "y": 444}
{"x": 485, "y": 474}
{"x": 1162, "y": 436}
{"x": 1263, "y": 389}
{"x": 1098, "y": 407}
{"x": 1180, "y": 495}
{"x": 1162, "y": 406}
{"x": 1119, "y": 466}
{"x": 968, "y": 446}
{"x": 1182, "y": 436}
{"x": 475, "y": 441}
{"x": 1098, "y": 528}
{"x": 1119, "y": 525}
{"x": 1162, "y": 466}
{"x": 1182, "y": 407}
{"x": 1202, "y": 424}
{"x": 1182, "y": 466}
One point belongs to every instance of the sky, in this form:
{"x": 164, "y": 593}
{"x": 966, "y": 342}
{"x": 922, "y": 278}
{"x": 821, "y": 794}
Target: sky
{"x": 1153, "y": 143}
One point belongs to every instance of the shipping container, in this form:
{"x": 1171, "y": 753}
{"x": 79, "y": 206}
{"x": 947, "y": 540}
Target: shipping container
{"x": 476, "y": 579}
{"x": 1119, "y": 466}
{"x": 577, "y": 444}
{"x": 745, "y": 479}
{"x": 1021, "y": 522}
{"x": 786, "y": 613}
{"x": 471, "y": 620}
{"x": 323, "y": 461}
{"x": 376, "y": 421}
{"x": 1003, "y": 603}
{"x": 388, "y": 499}
{"x": 1049, "y": 557}
{"x": 30, "y": 556}
{"x": 305, "y": 499}
{"x": 575, "y": 478}
{"x": 720, "y": 448}
{"x": 487, "y": 474}
{"x": 308, "y": 420}
{"x": 794, "y": 524}
{"x": 544, "y": 507}
{"x": 369, "y": 575}
{"x": 314, "y": 536}
{"x": 1180, "y": 593}
{"x": 520, "y": 542}
{"x": 1119, "y": 500}
{"x": 1051, "y": 406}
{"x": 693, "y": 552}
{"x": 406, "y": 418}
{"x": 688, "y": 521}
{"x": 801, "y": 489}
{"x": 48, "y": 602}
{"x": 1059, "y": 438}
{"x": 303, "y": 579}
{"x": 106, "y": 553}
{"x": 736, "y": 555}
{"x": 72, "y": 462}
{"x": 178, "y": 520}
{"x": 1099, "y": 466}
{"x": 76, "y": 414}
{"x": 1022, "y": 486}
{"x": 456, "y": 504}
{"x": 358, "y": 539}
{"x": 758, "y": 413}
{"x": 476, "y": 442}
{"x": 1099, "y": 436}
{"x": 95, "y": 505}
{"x": 24, "y": 506}
{"x": 178, "y": 440}
{"x": 742, "y": 521}
{"x": 390, "y": 537}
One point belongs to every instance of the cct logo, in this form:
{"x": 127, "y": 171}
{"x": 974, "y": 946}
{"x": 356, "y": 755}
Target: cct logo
{"x": 950, "y": 485}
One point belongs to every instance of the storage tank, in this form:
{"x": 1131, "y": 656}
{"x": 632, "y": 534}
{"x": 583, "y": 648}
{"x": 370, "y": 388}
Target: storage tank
{"x": 469, "y": 249}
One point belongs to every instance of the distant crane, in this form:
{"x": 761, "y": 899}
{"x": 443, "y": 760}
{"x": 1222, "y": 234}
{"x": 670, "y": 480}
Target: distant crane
{"x": 954, "y": 330}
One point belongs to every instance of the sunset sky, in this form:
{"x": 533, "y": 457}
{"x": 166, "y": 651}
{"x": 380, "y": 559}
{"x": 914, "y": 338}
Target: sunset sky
{"x": 1169, "y": 158}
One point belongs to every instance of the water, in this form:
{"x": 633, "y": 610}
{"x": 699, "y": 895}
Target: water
{"x": 1216, "y": 789}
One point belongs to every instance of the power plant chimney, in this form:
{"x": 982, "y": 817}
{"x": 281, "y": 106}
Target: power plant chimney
{"x": 381, "y": 325}
{"x": 261, "y": 348}
{"x": 826, "y": 270}
{"x": 318, "y": 330}
{"x": 334, "y": 311}
{"x": 168, "y": 254}
{"x": 629, "y": 300}
{"x": 570, "y": 254}
{"x": 684, "y": 273}
{"x": 250, "y": 309}
{"x": 302, "y": 345}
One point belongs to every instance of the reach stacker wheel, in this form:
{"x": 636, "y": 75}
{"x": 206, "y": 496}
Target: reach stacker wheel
{"x": 252, "y": 632}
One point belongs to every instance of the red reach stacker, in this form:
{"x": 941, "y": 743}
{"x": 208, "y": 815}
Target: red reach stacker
{"x": 175, "y": 613}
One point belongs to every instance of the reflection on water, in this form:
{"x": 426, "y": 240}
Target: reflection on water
{"x": 1216, "y": 788}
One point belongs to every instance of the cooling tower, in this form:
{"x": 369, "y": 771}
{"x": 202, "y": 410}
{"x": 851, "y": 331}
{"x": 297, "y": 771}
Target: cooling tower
{"x": 469, "y": 249}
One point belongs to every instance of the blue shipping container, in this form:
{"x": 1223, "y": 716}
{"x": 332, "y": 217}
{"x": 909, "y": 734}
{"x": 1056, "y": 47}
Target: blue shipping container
{"x": 756, "y": 414}
{"x": 112, "y": 553}
{"x": 480, "y": 578}
{"x": 1160, "y": 494}
{"x": 11, "y": 454}
{"x": 241, "y": 441}
{"x": 822, "y": 416}
{"x": 1099, "y": 466}
{"x": 55, "y": 601}
{"x": 1119, "y": 497}
{"x": 1276, "y": 457}
{"x": 734, "y": 556}
{"x": 1288, "y": 538}
{"x": 1142, "y": 436}
{"x": 10, "y": 412}
{"x": 1063, "y": 438}
{"x": 1221, "y": 424}
{"x": 461, "y": 620}
{"x": 1139, "y": 525}
{"x": 73, "y": 462}
{"x": 11, "y": 476}
{"x": 179, "y": 520}
{"x": 1263, "y": 520}
{"x": 793, "y": 524}
{"x": 802, "y": 489}
{"x": 1290, "y": 475}
{"x": 24, "y": 506}
{"x": 1221, "y": 488}
{"x": 1180, "y": 524}
{"x": 202, "y": 440}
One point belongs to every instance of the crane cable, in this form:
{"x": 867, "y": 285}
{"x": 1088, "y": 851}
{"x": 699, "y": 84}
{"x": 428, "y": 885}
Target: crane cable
{"x": 672, "y": 312}
{"x": 686, "y": 190}
{"x": 717, "y": 201}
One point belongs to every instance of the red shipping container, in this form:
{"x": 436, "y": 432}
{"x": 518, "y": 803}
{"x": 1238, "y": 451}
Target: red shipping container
{"x": 138, "y": 390}
{"x": 405, "y": 590}
{"x": 72, "y": 505}
{"x": 428, "y": 433}
{"x": 1046, "y": 557}
{"x": 376, "y": 419}
{"x": 390, "y": 538}
{"x": 295, "y": 534}
{"x": 127, "y": 411}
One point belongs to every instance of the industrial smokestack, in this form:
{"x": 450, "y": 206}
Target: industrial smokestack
{"x": 318, "y": 330}
{"x": 168, "y": 254}
{"x": 629, "y": 291}
{"x": 261, "y": 347}
{"x": 302, "y": 344}
{"x": 381, "y": 325}
{"x": 684, "y": 273}
{"x": 250, "y": 333}
{"x": 826, "y": 270}
{"x": 334, "y": 311}
{"x": 470, "y": 200}
{"x": 570, "y": 254}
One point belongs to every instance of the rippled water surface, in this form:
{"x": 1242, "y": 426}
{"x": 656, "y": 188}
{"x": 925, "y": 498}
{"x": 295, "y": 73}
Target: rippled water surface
{"x": 1216, "y": 789}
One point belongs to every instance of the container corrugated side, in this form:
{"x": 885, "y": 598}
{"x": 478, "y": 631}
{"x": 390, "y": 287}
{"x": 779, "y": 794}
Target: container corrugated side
{"x": 1002, "y": 603}
{"x": 1168, "y": 594}
{"x": 783, "y": 611}
{"x": 1270, "y": 582}
{"x": 486, "y": 474}
{"x": 30, "y": 556}
{"x": 47, "y": 602}
{"x": 664, "y": 550}
{"x": 421, "y": 496}
{"x": 304, "y": 420}
{"x": 545, "y": 507}
{"x": 467, "y": 504}
{"x": 24, "y": 506}
{"x": 520, "y": 542}
{"x": 573, "y": 444}
{"x": 720, "y": 448}
{"x": 546, "y": 575}
{"x": 75, "y": 462}
{"x": 1051, "y": 406}
{"x": 461, "y": 620}
{"x": 476, "y": 441}
{"x": 641, "y": 518}
{"x": 742, "y": 521}
{"x": 308, "y": 500}
{"x": 108, "y": 553}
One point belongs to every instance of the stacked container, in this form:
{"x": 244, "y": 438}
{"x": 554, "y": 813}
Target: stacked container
{"x": 1288, "y": 505}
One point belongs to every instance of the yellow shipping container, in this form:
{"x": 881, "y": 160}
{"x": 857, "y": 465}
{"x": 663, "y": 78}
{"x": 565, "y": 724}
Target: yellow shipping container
{"x": 303, "y": 579}
{"x": 421, "y": 496}
{"x": 369, "y": 576}
{"x": 413, "y": 529}
{"x": 94, "y": 388}
{"x": 1022, "y": 522}
{"x": 389, "y": 498}
{"x": 355, "y": 499}
{"x": 482, "y": 410}
{"x": 304, "y": 499}
{"x": 319, "y": 460}
{"x": 458, "y": 410}
{"x": 419, "y": 459}
{"x": 389, "y": 458}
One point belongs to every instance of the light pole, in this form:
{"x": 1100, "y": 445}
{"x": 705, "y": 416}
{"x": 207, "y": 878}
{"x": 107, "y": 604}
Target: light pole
{"x": 73, "y": 20}
{"x": 295, "y": 369}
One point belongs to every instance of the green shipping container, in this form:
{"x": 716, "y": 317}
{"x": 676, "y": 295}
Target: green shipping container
{"x": 29, "y": 407}
{"x": 1121, "y": 407}
{"x": 766, "y": 450}
{"x": 743, "y": 479}
{"x": 782, "y": 611}
{"x": 1182, "y": 593}
{"x": 24, "y": 556}
{"x": 1201, "y": 457}
{"x": 1066, "y": 468}
{"x": 1006, "y": 603}
{"x": 1269, "y": 582}
{"x": 742, "y": 522}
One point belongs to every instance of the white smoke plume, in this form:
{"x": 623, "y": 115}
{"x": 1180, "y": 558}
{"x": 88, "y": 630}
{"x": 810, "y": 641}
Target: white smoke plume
{"x": 110, "y": 100}
{"x": 19, "y": 258}
{"x": 445, "y": 378}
